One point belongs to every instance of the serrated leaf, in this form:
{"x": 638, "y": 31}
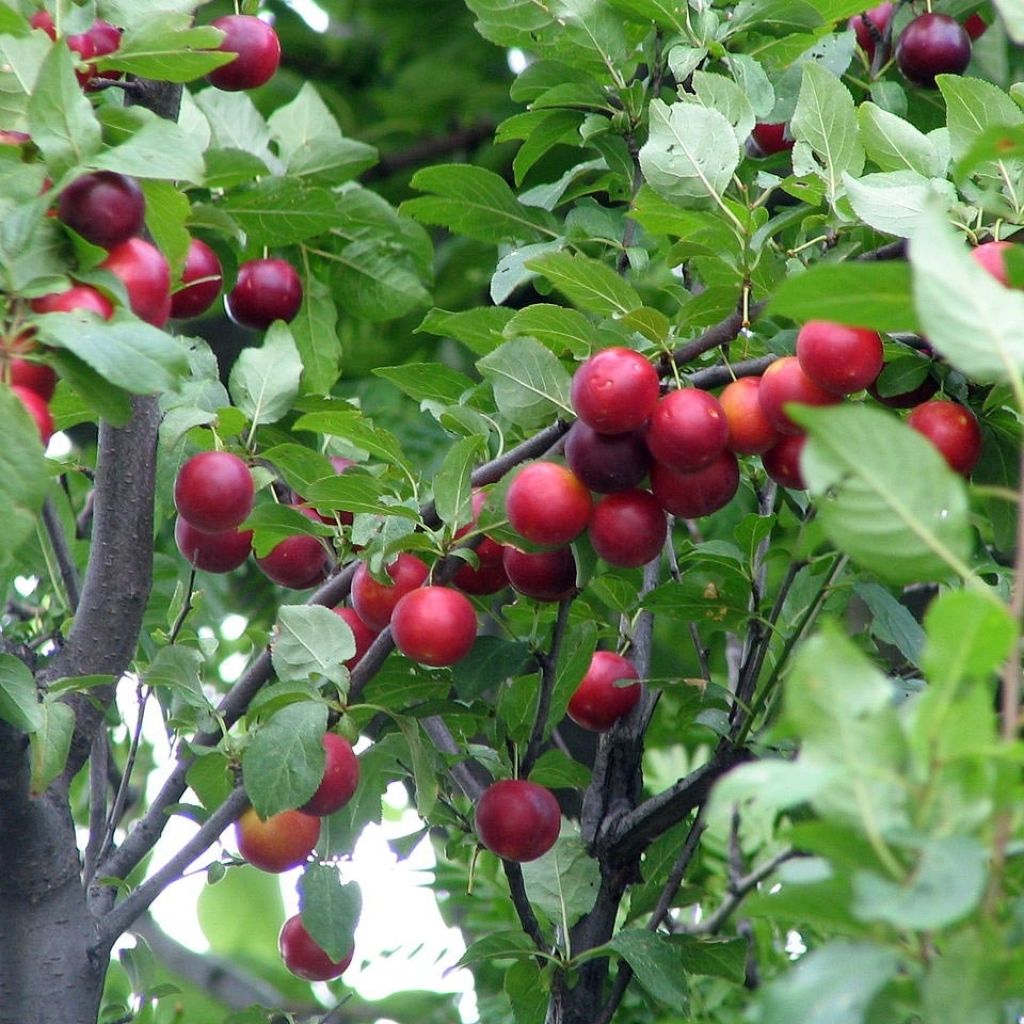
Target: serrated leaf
{"x": 530, "y": 384}
{"x": 885, "y": 495}
{"x": 330, "y": 908}
{"x": 315, "y": 333}
{"x": 475, "y": 202}
{"x": 491, "y": 661}
{"x": 974, "y": 106}
{"x": 427, "y": 382}
{"x": 167, "y": 48}
{"x": 895, "y": 144}
{"x": 125, "y": 351}
{"x": 236, "y": 123}
{"x": 691, "y": 152}
{"x": 510, "y": 945}
{"x": 826, "y": 120}
{"x": 353, "y": 426}
{"x": 19, "y": 702}
{"x": 564, "y": 331}
{"x": 265, "y": 381}
{"x": 49, "y": 744}
{"x": 156, "y": 148}
{"x": 587, "y": 283}
{"x": 480, "y": 329}
{"x": 968, "y": 316}
{"x": 280, "y": 211}
{"x": 894, "y": 201}
{"x": 876, "y": 295}
{"x": 284, "y": 762}
{"x": 452, "y": 488}
{"x": 311, "y": 642}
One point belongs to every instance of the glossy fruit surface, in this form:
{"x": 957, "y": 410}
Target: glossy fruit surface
{"x": 488, "y": 576}
{"x": 280, "y": 843}
{"x": 266, "y": 290}
{"x": 304, "y": 957}
{"x": 200, "y": 282}
{"x": 750, "y": 430}
{"x": 628, "y": 529}
{"x": 954, "y": 431}
{"x": 784, "y": 382}
{"x": 598, "y": 703}
{"x": 975, "y": 26}
{"x": 44, "y": 20}
{"x": 871, "y": 26}
{"x": 375, "y": 602}
{"x": 931, "y": 45}
{"x": 258, "y": 49}
{"x": 37, "y": 377}
{"x": 341, "y": 777}
{"x": 607, "y": 463}
{"x": 104, "y": 207}
{"x": 839, "y": 358}
{"x": 687, "y": 430}
{"x": 548, "y": 504}
{"x": 782, "y": 463}
{"x": 518, "y": 820}
{"x": 696, "y": 494}
{"x": 989, "y": 256}
{"x": 223, "y": 551}
{"x": 77, "y": 298}
{"x": 146, "y": 277}
{"x": 615, "y": 390}
{"x": 214, "y": 491}
{"x": 37, "y": 408}
{"x": 361, "y": 633}
{"x": 768, "y": 139}
{"x": 434, "y": 625}
{"x": 297, "y": 562}
{"x": 542, "y": 575}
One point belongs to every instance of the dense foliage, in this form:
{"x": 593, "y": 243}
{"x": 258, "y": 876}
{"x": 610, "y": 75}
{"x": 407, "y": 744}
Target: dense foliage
{"x": 812, "y": 810}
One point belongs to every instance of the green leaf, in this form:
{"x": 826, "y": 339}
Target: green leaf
{"x": 834, "y": 984}
{"x": 236, "y": 123}
{"x": 167, "y": 211}
{"x": 559, "y": 771}
{"x": 60, "y": 117}
{"x": 311, "y": 641}
{"x": 354, "y": 427}
{"x": 49, "y": 744}
{"x": 875, "y": 295}
{"x": 713, "y": 593}
{"x": 475, "y": 202}
{"x": 564, "y": 331}
{"x": 427, "y": 382}
{"x": 165, "y": 47}
{"x": 23, "y": 475}
{"x": 565, "y": 881}
{"x": 894, "y": 201}
{"x": 972, "y": 320}
{"x": 125, "y": 350}
{"x": 452, "y": 489}
{"x": 530, "y": 384}
{"x": 241, "y": 915}
{"x": 885, "y": 495}
{"x": 965, "y": 983}
{"x": 280, "y": 211}
{"x": 969, "y": 636}
{"x": 330, "y": 908}
{"x": 491, "y": 661}
{"x": 825, "y": 120}
{"x": 300, "y": 466}
{"x": 972, "y": 107}
{"x": 896, "y": 145}
{"x": 691, "y": 152}
{"x": 315, "y": 333}
{"x": 510, "y": 945}
{"x": 479, "y": 329}
{"x": 265, "y": 381}
{"x": 944, "y": 886}
{"x": 425, "y": 770}
{"x": 153, "y": 148}
{"x": 591, "y": 285}
{"x": 19, "y": 702}
{"x": 717, "y": 92}
{"x": 524, "y": 986}
{"x": 357, "y": 492}
{"x": 892, "y": 622}
{"x": 178, "y": 669}
{"x": 284, "y": 762}
{"x": 302, "y": 121}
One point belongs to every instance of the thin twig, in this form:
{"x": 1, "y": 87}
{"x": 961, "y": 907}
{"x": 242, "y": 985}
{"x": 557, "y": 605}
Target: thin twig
{"x": 65, "y": 561}
{"x": 521, "y": 902}
{"x": 549, "y": 668}
{"x": 97, "y": 804}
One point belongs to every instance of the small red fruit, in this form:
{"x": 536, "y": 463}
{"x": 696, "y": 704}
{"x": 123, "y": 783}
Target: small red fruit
{"x": 281, "y": 842}
{"x": 954, "y": 431}
{"x": 975, "y": 26}
{"x": 44, "y": 20}
{"x": 219, "y": 552}
{"x": 361, "y": 633}
{"x": 687, "y": 429}
{"x": 784, "y": 382}
{"x": 434, "y": 625}
{"x": 598, "y": 703}
{"x": 931, "y": 45}
{"x": 615, "y": 390}
{"x": 868, "y": 34}
{"x": 297, "y": 562}
{"x": 341, "y": 777}
{"x": 782, "y": 463}
{"x": 518, "y": 820}
{"x": 839, "y": 358}
{"x": 258, "y": 49}
{"x": 768, "y": 139}
{"x": 304, "y": 957}
{"x": 214, "y": 491}
{"x": 200, "y": 282}
{"x": 104, "y": 207}
{"x": 77, "y": 298}
{"x": 628, "y": 529}
{"x": 750, "y": 431}
{"x": 989, "y": 256}
{"x": 266, "y": 290}
{"x": 696, "y": 494}
{"x": 488, "y": 576}
{"x": 607, "y": 463}
{"x": 37, "y": 408}
{"x": 37, "y": 377}
{"x": 146, "y": 277}
{"x": 548, "y": 504}
{"x": 542, "y": 575}
{"x": 375, "y": 602}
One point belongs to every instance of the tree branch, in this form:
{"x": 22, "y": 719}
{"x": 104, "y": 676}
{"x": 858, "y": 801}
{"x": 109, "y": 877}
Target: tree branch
{"x": 65, "y": 561}
{"x": 549, "y": 665}
{"x": 521, "y": 902}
